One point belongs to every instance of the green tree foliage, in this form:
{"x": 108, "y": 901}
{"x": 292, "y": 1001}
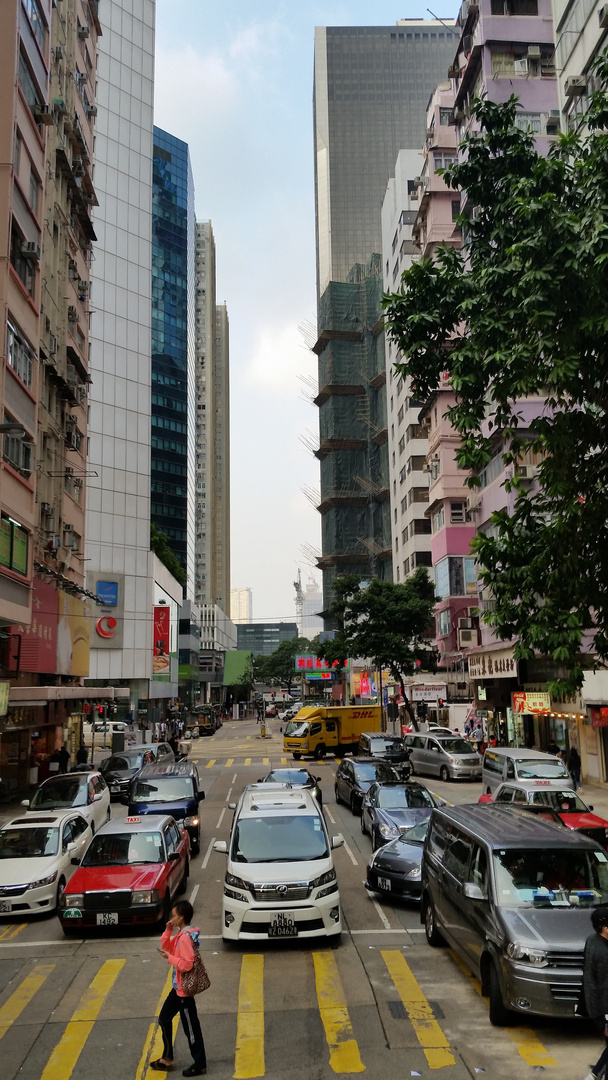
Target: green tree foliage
{"x": 391, "y": 624}
{"x": 278, "y": 669}
{"x": 159, "y": 544}
{"x": 522, "y": 312}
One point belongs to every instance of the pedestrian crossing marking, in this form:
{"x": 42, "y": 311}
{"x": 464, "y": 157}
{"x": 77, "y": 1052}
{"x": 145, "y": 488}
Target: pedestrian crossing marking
{"x": 249, "y": 1058}
{"x": 528, "y": 1046}
{"x": 12, "y": 1009}
{"x": 12, "y": 930}
{"x": 64, "y": 1057}
{"x": 153, "y": 1046}
{"x": 265, "y": 761}
{"x": 210, "y": 763}
{"x": 283, "y": 761}
{"x": 430, "y": 1036}
{"x": 343, "y": 1049}
{"x": 229, "y": 762}
{"x": 247, "y": 761}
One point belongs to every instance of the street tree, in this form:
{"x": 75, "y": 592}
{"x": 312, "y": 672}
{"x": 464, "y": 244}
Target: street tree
{"x": 390, "y": 623}
{"x": 522, "y": 312}
{"x": 278, "y": 669}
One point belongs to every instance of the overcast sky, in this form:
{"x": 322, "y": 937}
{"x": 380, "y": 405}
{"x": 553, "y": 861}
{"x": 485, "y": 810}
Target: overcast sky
{"x": 234, "y": 80}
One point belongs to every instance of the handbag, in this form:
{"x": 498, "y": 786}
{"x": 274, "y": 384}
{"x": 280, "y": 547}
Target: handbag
{"x": 196, "y": 979}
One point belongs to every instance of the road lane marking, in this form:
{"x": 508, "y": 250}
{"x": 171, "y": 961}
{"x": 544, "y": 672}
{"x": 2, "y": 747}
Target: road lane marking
{"x": 210, "y": 763}
{"x": 12, "y": 1009}
{"x": 391, "y": 930}
{"x": 229, "y": 763}
{"x": 64, "y": 1057}
{"x": 193, "y": 894}
{"x": 247, "y": 761}
{"x": 430, "y": 1036}
{"x": 529, "y": 1047}
{"x": 249, "y": 1054}
{"x": 221, "y": 817}
{"x": 153, "y": 1035}
{"x": 350, "y": 854}
{"x": 265, "y": 761}
{"x": 12, "y": 930}
{"x": 329, "y": 814}
{"x": 208, "y": 853}
{"x": 344, "y": 1054}
{"x": 383, "y": 919}
{"x": 234, "y": 778}
{"x": 229, "y": 794}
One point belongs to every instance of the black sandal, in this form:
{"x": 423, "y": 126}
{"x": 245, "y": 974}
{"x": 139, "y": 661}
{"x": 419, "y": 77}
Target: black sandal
{"x": 160, "y": 1066}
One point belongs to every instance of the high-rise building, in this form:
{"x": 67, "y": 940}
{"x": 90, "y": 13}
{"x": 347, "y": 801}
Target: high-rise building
{"x": 312, "y": 604}
{"x": 262, "y": 639}
{"x": 241, "y": 605}
{"x": 173, "y": 411}
{"x": 221, "y": 462}
{"x": 371, "y": 89}
{"x": 581, "y": 32}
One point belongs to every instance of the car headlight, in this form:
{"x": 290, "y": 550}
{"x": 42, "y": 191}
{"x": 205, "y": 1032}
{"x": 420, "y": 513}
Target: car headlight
{"x": 149, "y": 897}
{"x": 388, "y": 830}
{"x": 43, "y": 881}
{"x": 415, "y": 872}
{"x": 190, "y": 821}
{"x": 530, "y": 956}
{"x": 324, "y": 879}
{"x": 304, "y": 745}
{"x": 238, "y": 882}
{"x": 72, "y": 900}
{"x": 234, "y": 895}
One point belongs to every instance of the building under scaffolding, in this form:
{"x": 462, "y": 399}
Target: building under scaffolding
{"x": 356, "y": 532}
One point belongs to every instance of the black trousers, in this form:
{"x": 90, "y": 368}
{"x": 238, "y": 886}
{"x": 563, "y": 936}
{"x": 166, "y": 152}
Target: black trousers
{"x": 600, "y": 1023}
{"x": 186, "y": 1007}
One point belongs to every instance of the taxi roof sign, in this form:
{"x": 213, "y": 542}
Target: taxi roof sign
{"x": 133, "y": 820}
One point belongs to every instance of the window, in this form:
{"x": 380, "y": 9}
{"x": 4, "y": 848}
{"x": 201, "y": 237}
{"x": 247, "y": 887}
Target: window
{"x": 444, "y": 622}
{"x": 24, "y": 268}
{"x": 396, "y": 543}
{"x": 14, "y": 543}
{"x": 417, "y": 431}
{"x": 455, "y": 209}
{"x": 418, "y": 495}
{"x": 404, "y": 535}
{"x": 404, "y": 505}
{"x": 457, "y": 853}
{"x": 514, "y": 7}
{"x": 406, "y": 567}
{"x": 422, "y": 558}
{"x": 421, "y": 527}
{"x": 445, "y": 117}
{"x": 400, "y": 414}
{"x": 402, "y": 475}
{"x": 402, "y": 444}
{"x": 438, "y": 519}
{"x": 455, "y": 575}
{"x": 443, "y": 161}
{"x": 458, "y": 512}
{"x": 34, "y": 190}
{"x": 528, "y": 122}
{"x": 18, "y": 453}
{"x": 35, "y": 16}
{"x": 415, "y": 463}
{"x": 28, "y": 85}
{"x": 19, "y": 354}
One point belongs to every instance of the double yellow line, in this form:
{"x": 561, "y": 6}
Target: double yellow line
{"x": 12, "y": 930}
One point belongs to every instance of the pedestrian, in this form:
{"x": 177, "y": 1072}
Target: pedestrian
{"x": 82, "y": 755}
{"x": 55, "y": 762}
{"x": 177, "y": 946}
{"x": 595, "y": 982}
{"x": 574, "y": 767}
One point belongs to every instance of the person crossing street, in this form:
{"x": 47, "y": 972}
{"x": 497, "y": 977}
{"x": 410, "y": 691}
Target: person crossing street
{"x": 177, "y": 945}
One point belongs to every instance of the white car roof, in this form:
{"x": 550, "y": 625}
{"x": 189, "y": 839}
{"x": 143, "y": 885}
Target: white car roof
{"x": 275, "y": 799}
{"x": 53, "y": 817}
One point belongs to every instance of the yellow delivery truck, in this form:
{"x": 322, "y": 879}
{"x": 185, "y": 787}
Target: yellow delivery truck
{"x": 318, "y": 729}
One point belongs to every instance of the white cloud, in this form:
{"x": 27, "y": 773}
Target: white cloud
{"x": 190, "y": 85}
{"x": 279, "y": 356}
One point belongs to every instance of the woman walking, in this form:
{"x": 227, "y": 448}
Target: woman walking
{"x": 595, "y": 983}
{"x": 574, "y": 767}
{"x": 177, "y": 945}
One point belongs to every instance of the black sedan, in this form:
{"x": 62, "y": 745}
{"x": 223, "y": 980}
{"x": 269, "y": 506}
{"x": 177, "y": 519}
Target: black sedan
{"x": 119, "y": 769}
{"x": 295, "y": 778}
{"x": 396, "y": 868}
{"x": 356, "y": 775}
{"x": 388, "y": 809}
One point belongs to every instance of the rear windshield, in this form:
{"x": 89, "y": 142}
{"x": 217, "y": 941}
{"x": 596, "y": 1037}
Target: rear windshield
{"x": 285, "y": 838}
{"x": 124, "y": 849}
{"x": 537, "y": 769}
{"x": 289, "y": 776}
{"x": 455, "y": 746}
{"x": 392, "y": 798}
{"x": 117, "y": 762}
{"x": 163, "y": 789}
{"x": 28, "y": 843}
{"x": 71, "y": 791}
{"x": 375, "y": 770}
{"x": 565, "y": 802}
{"x": 555, "y": 877}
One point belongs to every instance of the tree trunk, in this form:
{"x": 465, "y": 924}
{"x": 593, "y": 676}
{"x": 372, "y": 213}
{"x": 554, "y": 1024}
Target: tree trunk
{"x": 408, "y": 706}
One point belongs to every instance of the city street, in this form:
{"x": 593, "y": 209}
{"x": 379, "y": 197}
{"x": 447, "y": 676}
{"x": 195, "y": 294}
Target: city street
{"x": 381, "y": 1002}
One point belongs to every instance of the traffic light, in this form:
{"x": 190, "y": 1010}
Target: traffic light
{"x": 440, "y": 703}
{"x": 101, "y": 711}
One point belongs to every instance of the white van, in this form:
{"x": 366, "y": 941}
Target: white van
{"x": 504, "y": 763}
{"x": 280, "y": 877}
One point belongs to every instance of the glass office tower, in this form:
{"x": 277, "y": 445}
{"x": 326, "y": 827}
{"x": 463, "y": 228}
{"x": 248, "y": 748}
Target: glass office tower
{"x": 173, "y": 357}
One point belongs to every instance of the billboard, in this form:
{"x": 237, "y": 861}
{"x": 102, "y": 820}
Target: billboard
{"x": 161, "y": 641}
{"x": 306, "y": 663}
{"x": 33, "y": 648}
{"x": 73, "y": 635}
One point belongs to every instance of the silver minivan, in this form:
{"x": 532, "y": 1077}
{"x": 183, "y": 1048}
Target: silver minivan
{"x": 504, "y": 763}
{"x": 449, "y": 757}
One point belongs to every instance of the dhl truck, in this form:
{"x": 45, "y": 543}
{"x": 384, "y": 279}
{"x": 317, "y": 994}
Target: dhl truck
{"x": 318, "y": 729}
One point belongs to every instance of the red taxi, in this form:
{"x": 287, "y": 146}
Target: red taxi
{"x": 129, "y": 874}
{"x": 570, "y": 808}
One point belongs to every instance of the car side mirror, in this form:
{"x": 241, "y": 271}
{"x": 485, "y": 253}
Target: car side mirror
{"x": 260, "y": 780}
{"x": 75, "y": 862}
{"x": 201, "y": 796}
{"x": 173, "y": 856}
{"x": 318, "y": 779}
{"x": 221, "y": 847}
{"x": 232, "y": 806}
{"x": 473, "y": 891}
{"x": 25, "y": 802}
{"x": 337, "y": 841}
{"x": 590, "y": 806}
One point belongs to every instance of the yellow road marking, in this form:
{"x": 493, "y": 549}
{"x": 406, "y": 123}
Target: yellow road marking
{"x": 265, "y": 761}
{"x": 229, "y": 762}
{"x": 343, "y": 1050}
{"x": 247, "y": 761}
{"x": 283, "y": 761}
{"x": 22, "y": 996}
{"x": 529, "y": 1047}
{"x": 62, "y": 1061}
{"x": 153, "y": 1046}
{"x": 12, "y": 930}
{"x": 430, "y": 1036}
{"x": 249, "y": 1055}
{"x": 210, "y": 763}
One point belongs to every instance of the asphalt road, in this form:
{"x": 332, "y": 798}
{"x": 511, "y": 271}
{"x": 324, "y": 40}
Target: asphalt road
{"x": 382, "y": 1002}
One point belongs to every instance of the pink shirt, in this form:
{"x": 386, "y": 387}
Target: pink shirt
{"x": 181, "y": 952}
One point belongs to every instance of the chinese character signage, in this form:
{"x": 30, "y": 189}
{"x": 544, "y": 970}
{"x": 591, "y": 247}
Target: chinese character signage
{"x": 161, "y": 641}
{"x": 499, "y": 664}
{"x": 531, "y": 703}
{"x": 33, "y": 648}
{"x": 599, "y": 717}
{"x": 308, "y": 663}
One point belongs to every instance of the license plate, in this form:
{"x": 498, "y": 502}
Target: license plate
{"x": 107, "y": 918}
{"x": 281, "y": 926}
{"x": 384, "y": 883}
{"x": 114, "y": 787}
{"x": 5, "y": 905}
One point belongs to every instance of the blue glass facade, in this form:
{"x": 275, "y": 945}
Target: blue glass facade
{"x": 172, "y": 343}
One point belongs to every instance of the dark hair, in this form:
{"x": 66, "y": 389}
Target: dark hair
{"x": 184, "y": 909}
{"x": 599, "y": 918}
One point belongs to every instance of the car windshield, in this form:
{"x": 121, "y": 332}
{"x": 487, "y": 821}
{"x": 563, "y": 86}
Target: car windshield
{"x": 381, "y": 746}
{"x": 124, "y": 849}
{"x": 555, "y": 877}
{"x": 117, "y": 762}
{"x": 289, "y": 776}
{"x": 373, "y": 771}
{"x": 28, "y": 843}
{"x": 163, "y": 789}
{"x": 279, "y": 839}
{"x": 565, "y": 802}
{"x": 536, "y": 769}
{"x": 417, "y": 833}
{"x": 296, "y": 729}
{"x": 393, "y": 797}
{"x": 60, "y": 792}
{"x": 456, "y": 746}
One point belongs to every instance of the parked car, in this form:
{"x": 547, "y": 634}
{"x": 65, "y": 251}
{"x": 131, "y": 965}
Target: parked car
{"x": 512, "y": 895}
{"x": 355, "y": 776}
{"x": 173, "y": 789}
{"x": 36, "y": 855}
{"x": 504, "y": 763}
{"x": 295, "y": 778}
{"x": 449, "y": 757}
{"x": 119, "y": 769}
{"x": 388, "y": 809}
{"x": 270, "y": 710}
{"x": 130, "y": 874}
{"x": 396, "y": 867}
{"x": 550, "y": 794}
{"x": 378, "y": 744}
{"x": 86, "y": 792}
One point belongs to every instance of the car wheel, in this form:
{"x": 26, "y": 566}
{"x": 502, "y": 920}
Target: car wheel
{"x": 444, "y": 774}
{"x": 296, "y": 755}
{"x": 196, "y": 843}
{"x": 433, "y": 936}
{"x": 320, "y": 752}
{"x": 183, "y": 885}
{"x": 499, "y": 1015}
{"x": 412, "y": 770}
{"x": 338, "y": 799}
{"x": 166, "y": 912}
{"x": 60, "y": 892}
{"x": 355, "y": 806}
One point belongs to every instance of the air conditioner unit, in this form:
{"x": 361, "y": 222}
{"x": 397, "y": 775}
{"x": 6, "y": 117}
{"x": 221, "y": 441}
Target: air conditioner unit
{"x": 534, "y": 52}
{"x": 72, "y": 267}
{"x": 59, "y": 106}
{"x": 43, "y": 114}
{"x": 473, "y": 8}
{"x": 465, "y": 624}
{"x": 46, "y": 508}
{"x": 430, "y": 132}
{"x": 71, "y": 418}
{"x": 69, "y": 470}
{"x": 521, "y": 67}
{"x": 473, "y": 502}
{"x": 467, "y": 638}
{"x": 92, "y": 110}
{"x": 82, "y": 394}
{"x": 459, "y": 114}
{"x": 83, "y": 32}
{"x": 73, "y": 315}
{"x": 31, "y": 250}
{"x": 67, "y": 528}
{"x": 58, "y": 52}
{"x": 418, "y": 181}
{"x": 575, "y": 86}
{"x": 467, "y": 43}
{"x": 603, "y": 17}
{"x": 464, "y": 11}
{"x": 453, "y": 71}
{"x": 525, "y": 472}
{"x": 83, "y": 286}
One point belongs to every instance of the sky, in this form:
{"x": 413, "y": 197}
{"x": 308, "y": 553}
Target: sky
{"x": 234, "y": 80}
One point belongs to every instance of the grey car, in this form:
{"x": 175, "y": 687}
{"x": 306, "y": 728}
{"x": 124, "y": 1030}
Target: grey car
{"x": 449, "y": 757}
{"x": 389, "y": 809}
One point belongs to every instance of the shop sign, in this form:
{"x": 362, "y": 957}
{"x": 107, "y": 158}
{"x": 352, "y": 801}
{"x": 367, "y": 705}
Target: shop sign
{"x": 534, "y": 703}
{"x": 428, "y": 693}
{"x": 568, "y": 704}
{"x": 33, "y": 648}
{"x": 499, "y": 664}
{"x": 599, "y": 717}
{"x": 5, "y": 688}
{"x": 162, "y": 631}
{"x": 307, "y": 663}
{"x": 325, "y": 675}
{"x": 73, "y": 636}
{"x": 107, "y": 622}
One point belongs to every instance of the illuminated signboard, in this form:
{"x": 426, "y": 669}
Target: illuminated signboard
{"x": 307, "y": 663}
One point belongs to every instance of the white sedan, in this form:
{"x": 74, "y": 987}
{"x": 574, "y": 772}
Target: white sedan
{"x": 86, "y": 792}
{"x": 36, "y": 853}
